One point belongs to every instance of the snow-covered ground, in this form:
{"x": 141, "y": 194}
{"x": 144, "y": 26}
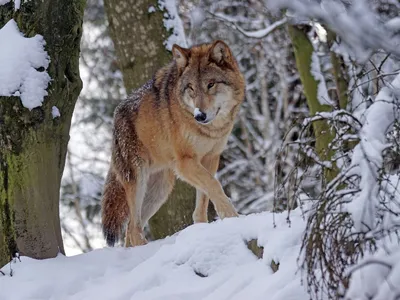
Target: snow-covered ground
{"x": 204, "y": 261}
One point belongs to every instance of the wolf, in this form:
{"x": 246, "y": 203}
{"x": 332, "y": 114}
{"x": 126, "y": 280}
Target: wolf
{"x": 176, "y": 125}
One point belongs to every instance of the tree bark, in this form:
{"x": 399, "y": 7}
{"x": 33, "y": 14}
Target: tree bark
{"x": 33, "y": 145}
{"x": 339, "y": 73}
{"x": 138, "y": 37}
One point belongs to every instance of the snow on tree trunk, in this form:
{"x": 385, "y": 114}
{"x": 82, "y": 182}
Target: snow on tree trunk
{"x": 33, "y": 143}
{"x": 139, "y": 35}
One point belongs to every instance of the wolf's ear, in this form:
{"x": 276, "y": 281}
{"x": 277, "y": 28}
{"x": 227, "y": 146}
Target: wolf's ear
{"x": 220, "y": 53}
{"x": 181, "y": 56}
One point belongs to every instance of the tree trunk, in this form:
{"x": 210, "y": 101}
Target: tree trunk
{"x": 339, "y": 73}
{"x": 139, "y": 37}
{"x": 33, "y": 145}
{"x": 303, "y": 51}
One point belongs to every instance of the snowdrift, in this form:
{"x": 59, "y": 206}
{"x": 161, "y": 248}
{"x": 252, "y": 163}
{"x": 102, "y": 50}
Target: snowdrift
{"x": 204, "y": 261}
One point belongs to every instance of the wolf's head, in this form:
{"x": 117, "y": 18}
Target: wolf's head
{"x": 209, "y": 84}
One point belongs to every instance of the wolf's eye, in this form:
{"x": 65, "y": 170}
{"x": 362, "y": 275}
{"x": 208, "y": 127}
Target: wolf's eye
{"x": 189, "y": 87}
{"x": 210, "y": 85}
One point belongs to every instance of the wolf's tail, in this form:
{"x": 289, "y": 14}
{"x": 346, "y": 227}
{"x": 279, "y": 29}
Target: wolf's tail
{"x": 114, "y": 208}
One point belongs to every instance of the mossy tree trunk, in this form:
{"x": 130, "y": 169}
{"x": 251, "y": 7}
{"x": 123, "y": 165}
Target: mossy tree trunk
{"x": 138, "y": 37}
{"x": 324, "y": 135}
{"x": 33, "y": 145}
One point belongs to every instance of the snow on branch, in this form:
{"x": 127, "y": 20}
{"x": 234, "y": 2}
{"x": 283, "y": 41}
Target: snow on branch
{"x": 368, "y": 159}
{"x": 173, "y": 24}
{"x": 340, "y": 115}
{"x": 376, "y": 277}
{"x": 20, "y": 61}
{"x": 258, "y": 34}
{"x": 322, "y": 92}
{"x": 356, "y": 24}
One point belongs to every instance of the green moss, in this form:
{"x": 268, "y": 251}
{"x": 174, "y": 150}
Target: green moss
{"x": 9, "y": 245}
{"x": 18, "y": 174}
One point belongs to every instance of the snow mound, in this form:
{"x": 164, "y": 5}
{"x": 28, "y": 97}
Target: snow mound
{"x": 204, "y": 261}
{"x": 20, "y": 59}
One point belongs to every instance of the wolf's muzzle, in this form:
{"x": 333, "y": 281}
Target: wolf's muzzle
{"x": 201, "y": 117}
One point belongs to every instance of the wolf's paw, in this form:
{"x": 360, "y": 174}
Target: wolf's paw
{"x": 227, "y": 211}
{"x": 228, "y": 214}
{"x": 137, "y": 240}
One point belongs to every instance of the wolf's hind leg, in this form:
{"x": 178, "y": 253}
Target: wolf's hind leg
{"x": 200, "y": 212}
{"x": 159, "y": 187}
{"x": 135, "y": 191}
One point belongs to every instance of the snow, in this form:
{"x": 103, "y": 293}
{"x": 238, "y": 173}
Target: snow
{"x": 55, "y": 112}
{"x": 173, "y": 22}
{"x": 264, "y": 32}
{"x": 393, "y": 24}
{"x": 322, "y": 93}
{"x": 151, "y": 9}
{"x": 17, "y": 3}
{"x": 204, "y": 261}
{"x": 20, "y": 58}
{"x": 367, "y": 159}
{"x": 197, "y": 17}
{"x": 377, "y": 276}
{"x": 356, "y": 24}
{"x": 259, "y": 34}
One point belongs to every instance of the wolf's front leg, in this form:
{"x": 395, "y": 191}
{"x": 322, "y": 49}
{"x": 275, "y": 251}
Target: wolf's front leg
{"x": 210, "y": 163}
{"x": 198, "y": 176}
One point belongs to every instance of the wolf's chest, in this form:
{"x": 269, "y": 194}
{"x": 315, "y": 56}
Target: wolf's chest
{"x": 203, "y": 144}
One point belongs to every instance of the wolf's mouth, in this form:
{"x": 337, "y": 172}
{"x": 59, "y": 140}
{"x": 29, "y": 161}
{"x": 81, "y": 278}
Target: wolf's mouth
{"x": 208, "y": 121}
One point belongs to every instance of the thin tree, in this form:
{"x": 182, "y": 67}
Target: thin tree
{"x": 303, "y": 51}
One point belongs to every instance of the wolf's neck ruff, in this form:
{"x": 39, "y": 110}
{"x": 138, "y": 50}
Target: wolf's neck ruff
{"x": 178, "y": 123}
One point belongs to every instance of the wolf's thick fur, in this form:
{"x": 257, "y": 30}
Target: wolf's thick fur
{"x": 178, "y": 124}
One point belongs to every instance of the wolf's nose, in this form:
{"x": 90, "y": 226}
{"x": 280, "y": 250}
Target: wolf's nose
{"x": 200, "y": 117}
